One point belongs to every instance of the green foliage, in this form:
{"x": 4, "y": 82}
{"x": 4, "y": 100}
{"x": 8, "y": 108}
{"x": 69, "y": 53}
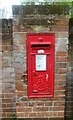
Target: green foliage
{"x": 71, "y": 9}
{"x": 48, "y": 7}
{"x": 45, "y": 9}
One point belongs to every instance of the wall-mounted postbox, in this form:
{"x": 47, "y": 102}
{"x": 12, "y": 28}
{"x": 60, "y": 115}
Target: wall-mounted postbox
{"x": 40, "y": 62}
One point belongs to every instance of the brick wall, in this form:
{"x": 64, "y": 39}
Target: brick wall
{"x": 69, "y": 88}
{"x": 0, "y": 68}
{"x": 8, "y": 74}
{"x": 69, "y": 83}
{"x": 40, "y": 107}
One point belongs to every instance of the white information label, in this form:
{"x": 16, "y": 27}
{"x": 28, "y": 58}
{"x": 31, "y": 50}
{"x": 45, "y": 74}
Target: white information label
{"x": 40, "y": 51}
{"x": 40, "y": 62}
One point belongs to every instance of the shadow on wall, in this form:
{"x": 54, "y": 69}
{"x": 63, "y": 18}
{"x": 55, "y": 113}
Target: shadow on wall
{"x": 69, "y": 83}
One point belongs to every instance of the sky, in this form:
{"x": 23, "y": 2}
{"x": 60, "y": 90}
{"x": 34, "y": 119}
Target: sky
{"x": 8, "y": 2}
{"x": 6, "y": 6}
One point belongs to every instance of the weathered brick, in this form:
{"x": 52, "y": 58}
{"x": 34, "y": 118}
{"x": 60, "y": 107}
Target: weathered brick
{"x": 32, "y": 104}
{"x": 57, "y": 108}
{"x": 10, "y": 95}
{"x": 10, "y": 105}
{"x": 48, "y": 103}
{"x": 33, "y": 114}
{"x": 22, "y": 104}
{"x": 9, "y": 110}
{"x": 0, "y": 47}
{"x": 19, "y": 86}
{"x": 60, "y": 77}
{"x": 20, "y": 93}
{"x": 61, "y": 65}
{"x": 61, "y": 114}
{"x": 62, "y": 103}
{"x": 39, "y": 103}
{"x": 7, "y": 47}
{"x": 49, "y": 114}
{"x": 24, "y": 109}
{"x": 63, "y": 59}
{"x": 59, "y": 88}
{"x": 4, "y": 105}
{"x": 61, "y": 53}
{"x": 40, "y": 108}
{"x": 4, "y": 115}
{"x": 20, "y": 115}
{"x": 7, "y": 62}
{"x": 61, "y": 34}
{"x": 16, "y": 28}
{"x": 21, "y": 37}
{"x": 62, "y": 71}
{"x": 40, "y": 114}
{"x": 8, "y": 100}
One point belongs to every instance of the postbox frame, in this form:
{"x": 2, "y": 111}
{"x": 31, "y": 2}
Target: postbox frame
{"x": 52, "y": 44}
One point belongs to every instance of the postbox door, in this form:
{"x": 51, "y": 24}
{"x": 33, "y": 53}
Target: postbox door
{"x": 40, "y": 72}
{"x": 40, "y": 59}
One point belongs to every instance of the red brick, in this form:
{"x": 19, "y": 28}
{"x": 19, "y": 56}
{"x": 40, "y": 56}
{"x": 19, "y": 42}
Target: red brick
{"x": 26, "y": 114}
{"x": 32, "y": 103}
{"x": 16, "y": 28}
{"x": 59, "y": 88}
{"x": 20, "y": 115}
{"x": 24, "y": 109}
{"x": 32, "y": 114}
{"x": 1, "y": 64}
{"x": 8, "y": 110}
{"x": 61, "y": 34}
{"x": 57, "y": 108}
{"x": 61, "y": 103}
{"x": 4, "y": 115}
{"x": 40, "y": 108}
{"x": 20, "y": 93}
{"x": 55, "y": 114}
{"x": 0, "y": 48}
{"x": 62, "y": 59}
{"x": 10, "y": 105}
{"x": 4, "y": 105}
{"x": 19, "y": 86}
{"x": 60, "y": 77}
{"x": 39, "y": 103}
{"x": 41, "y": 114}
{"x": 62, "y": 71}
{"x": 61, "y": 65}
{"x": 18, "y": 76}
{"x": 59, "y": 28}
{"x": 7, "y": 100}
{"x": 11, "y": 95}
{"x": 60, "y": 93}
{"x": 21, "y": 104}
{"x": 60, "y": 82}
{"x": 48, "y": 103}
{"x": 61, "y": 53}
{"x": 21, "y": 37}
{"x": 7, "y": 53}
{"x": 61, "y": 114}
{"x": 49, "y": 113}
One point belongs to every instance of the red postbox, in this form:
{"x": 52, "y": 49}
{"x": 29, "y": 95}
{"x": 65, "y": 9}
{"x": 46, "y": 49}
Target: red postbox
{"x": 40, "y": 63}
